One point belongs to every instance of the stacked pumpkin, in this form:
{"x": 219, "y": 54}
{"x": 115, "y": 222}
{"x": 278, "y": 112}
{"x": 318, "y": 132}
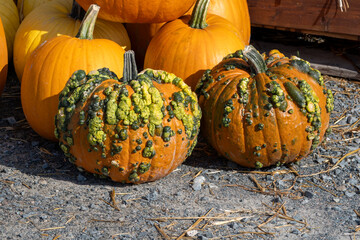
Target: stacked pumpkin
{"x": 113, "y": 122}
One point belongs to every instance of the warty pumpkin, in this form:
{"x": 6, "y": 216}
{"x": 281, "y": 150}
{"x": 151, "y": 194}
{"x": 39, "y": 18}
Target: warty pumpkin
{"x": 236, "y": 11}
{"x": 56, "y": 18}
{"x": 260, "y": 111}
{"x": 10, "y": 19}
{"x": 191, "y": 44}
{"x": 140, "y": 11}
{"x": 49, "y": 67}
{"x": 3, "y": 58}
{"x": 132, "y": 130}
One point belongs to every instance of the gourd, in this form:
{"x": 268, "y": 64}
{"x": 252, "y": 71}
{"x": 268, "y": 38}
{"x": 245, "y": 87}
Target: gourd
{"x": 132, "y": 130}
{"x": 236, "y": 11}
{"x": 3, "y": 58}
{"x": 55, "y": 18}
{"x": 191, "y": 44}
{"x": 260, "y": 111}
{"x": 49, "y": 67}
{"x": 140, "y": 11}
{"x": 10, "y": 19}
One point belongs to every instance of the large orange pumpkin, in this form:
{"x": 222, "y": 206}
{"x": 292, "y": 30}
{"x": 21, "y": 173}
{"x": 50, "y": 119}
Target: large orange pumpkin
{"x": 260, "y": 111}
{"x": 191, "y": 44}
{"x": 58, "y": 17}
{"x": 3, "y": 58}
{"x": 10, "y": 19}
{"x": 236, "y": 11}
{"x": 134, "y": 130}
{"x": 140, "y": 11}
{"x": 50, "y": 66}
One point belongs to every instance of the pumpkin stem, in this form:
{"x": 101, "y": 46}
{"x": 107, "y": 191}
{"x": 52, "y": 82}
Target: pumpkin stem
{"x": 255, "y": 59}
{"x": 88, "y": 23}
{"x": 130, "y": 70}
{"x": 77, "y": 12}
{"x": 198, "y": 16}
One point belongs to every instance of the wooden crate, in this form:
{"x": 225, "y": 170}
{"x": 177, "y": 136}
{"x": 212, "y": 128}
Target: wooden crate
{"x": 319, "y": 17}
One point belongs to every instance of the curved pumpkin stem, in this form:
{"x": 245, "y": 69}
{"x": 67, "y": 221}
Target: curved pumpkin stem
{"x": 77, "y": 12}
{"x": 130, "y": 70}
{"x": 198, "y": 16}
{"x": 255, "y": 59}
{"x": 88, "y": 23}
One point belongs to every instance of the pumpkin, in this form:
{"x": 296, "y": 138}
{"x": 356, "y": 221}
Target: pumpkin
{"x": 132, "y": 130}
{"x": 236, "y": 11}
{"x": 260, "y": 111}
{"x": 191, "y": 44}
{"x": 10, "y": 19}
{"x": 3, "y": 58}
{"x": 52, "y": 19}
{"x": 49, "y": 67}
{"x": 26, "y": 6}
{"x": 140, "y": 11}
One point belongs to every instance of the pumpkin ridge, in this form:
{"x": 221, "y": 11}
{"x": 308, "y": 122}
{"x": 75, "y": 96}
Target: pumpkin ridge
{"x": 262, "y": 82}
{"x": 214, "y": 114}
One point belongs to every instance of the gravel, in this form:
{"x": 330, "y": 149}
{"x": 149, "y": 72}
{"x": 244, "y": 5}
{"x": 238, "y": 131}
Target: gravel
{"x": 42, "y": 196}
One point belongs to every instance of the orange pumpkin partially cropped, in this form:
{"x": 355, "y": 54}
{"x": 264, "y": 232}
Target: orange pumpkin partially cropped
{"x": 134, "y": 130}
{"x": 236, "y": 11}
{"x": 261, "y": 111}
{"x": 55, "y": 18}
{"x": 50, "y": 66}
{"x": 10, "y": 20}
{"x": 3, "y": 58}
{"x": 140, "y": 11}
{"x": 191, "y": 44}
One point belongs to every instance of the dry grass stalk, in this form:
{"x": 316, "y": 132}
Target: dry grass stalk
{"x": 27, "y": 186}
{"x": 57, "y": 237}
{"x": 112, "y": 195}
{"x": 258, "y": 185}
{"x": 357, "y": 212}
{"x": 321, "y": 187}
{"x": 194, "y": 225}
{"x": 52, "y": 228}
{"x": 111, "y": 205}
{"x": 196, "y": 175}
{"x": 105, "y": 221}
{"x": 70, "y": 219}
{"x": 334, "y": 166}
{"x": 163, "y": 234}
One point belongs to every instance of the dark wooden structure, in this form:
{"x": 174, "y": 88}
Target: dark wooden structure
{"x": 318, "y": 17}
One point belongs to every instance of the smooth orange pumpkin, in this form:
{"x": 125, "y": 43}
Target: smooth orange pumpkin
{"x": 140, "y": 11}
{"x": 236, "y": 11}
{"x": 3, "y": 58}
{"x": 134, "y": 130}
{"x": 191, "y": 44}
{"x": 10, "y": 19}
{"x": 50, "y": 66}
{"x": 58, "y": 17}
{"x": 260, "y": 111}
{"x": 26, "y": 6}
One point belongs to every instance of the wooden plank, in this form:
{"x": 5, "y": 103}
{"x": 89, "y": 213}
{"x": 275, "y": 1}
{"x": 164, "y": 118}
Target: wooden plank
{"x": 320, "y": 16}
{"x": 327, "y": 62}
{"x": 336, "y": 71}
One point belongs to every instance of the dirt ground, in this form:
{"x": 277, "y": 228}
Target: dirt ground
{"x": 42, "y": 196}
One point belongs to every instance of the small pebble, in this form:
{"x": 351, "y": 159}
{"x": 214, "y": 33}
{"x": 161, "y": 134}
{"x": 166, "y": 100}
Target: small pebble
{"x": 350, "y": 194}
{"x": 308, "y": 194}
{"x": 191, "y": 233}
{"x": 197, "y": 184}
{"x": 81, "y": 178}
{"x": 11, "y": 120}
